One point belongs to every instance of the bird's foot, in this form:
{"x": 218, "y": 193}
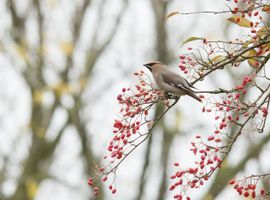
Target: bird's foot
{"x": 169, "y": 95}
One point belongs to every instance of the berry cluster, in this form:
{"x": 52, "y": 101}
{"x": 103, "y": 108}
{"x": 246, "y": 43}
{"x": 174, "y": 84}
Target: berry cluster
{"x": 248, "y": 187}
{"x": 131, "y": 127}
{"x": 212, "y": 151}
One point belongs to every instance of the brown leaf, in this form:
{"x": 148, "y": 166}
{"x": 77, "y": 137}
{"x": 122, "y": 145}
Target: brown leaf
{"x": 217, "y": 59}
{"x": 251, "y": 61}
{"x": 240, "y": 21}
{"x": 254, "y": 63}
{"x": 172, "y": 14}
{"x": 191, "y": 39}
{"x": 263, "y": 32}
{"x": 266, "y": 8}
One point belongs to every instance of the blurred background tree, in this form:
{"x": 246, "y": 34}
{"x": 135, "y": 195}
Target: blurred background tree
{"x": 62, "y": 65}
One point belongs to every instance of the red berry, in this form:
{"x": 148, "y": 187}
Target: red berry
{"x": 90, "y": 182}
{"x": 105, "y": 179}
{"x": 246, "y": 194}
{"x": 253, "y": 194}
{"x": 232, "y": 182}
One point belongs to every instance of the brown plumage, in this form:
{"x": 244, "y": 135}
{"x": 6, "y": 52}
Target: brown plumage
{"x": 169, "y": 81}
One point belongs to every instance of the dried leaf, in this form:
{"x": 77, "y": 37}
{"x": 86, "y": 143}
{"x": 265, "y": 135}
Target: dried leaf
{"x": 240, "y": 21}
{"x": 217, "y": 59}
{"x": 67, "y": 48}
{"x": 191, "y": 39}
{"x": 245, "y": 56}
{"x": 172, "y": 14}
{"x": 263, "y": 32}
{"x": 251, "y": 61}
{"x": 247, "y": 43}
{"x": 251, "y": 53}
{"x": 31, "y": 188}
{"x": 266, "y": 8}
{"x": 38, "y": 97}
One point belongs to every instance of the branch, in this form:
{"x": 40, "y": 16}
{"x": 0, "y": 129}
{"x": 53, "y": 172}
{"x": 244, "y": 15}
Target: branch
{"x": 221, "y": 64}
{"x": 147, "y": 135}
{"x": 95, "y": 51}
{"x": 144, "y": 169}
{"x": 219, "y": 12}
{"x": 76, "y": 29}
{"x": 225, "y": 174}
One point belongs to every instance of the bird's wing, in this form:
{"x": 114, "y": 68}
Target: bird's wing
{"x": 190, "y": 85}
{"x": 176, "y": 80}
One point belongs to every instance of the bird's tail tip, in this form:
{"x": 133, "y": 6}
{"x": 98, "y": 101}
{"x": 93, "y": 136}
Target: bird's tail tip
{"x": 196, "y": 97}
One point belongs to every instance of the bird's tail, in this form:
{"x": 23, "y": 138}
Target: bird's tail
{"x": 194, "y": 96}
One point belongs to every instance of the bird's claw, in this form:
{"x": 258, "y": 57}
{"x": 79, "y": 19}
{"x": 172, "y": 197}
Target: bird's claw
{"x": 169, "y": 95}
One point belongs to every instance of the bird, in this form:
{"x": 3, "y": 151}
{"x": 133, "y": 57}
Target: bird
{"x": 169, "y": 81}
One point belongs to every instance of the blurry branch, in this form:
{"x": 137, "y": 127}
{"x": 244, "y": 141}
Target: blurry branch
{"x": 40, "y": 120}
{"x": 18, "y": 22}
{"x": 108, "y": 85}
{"x": 78, "y": 19}
{"x": 95, "y": 50}
{"x": 160, "y": 11}
{"x": 142, "y": 184}
{"x": 40, "y": 57}
{"x": 40, "y": 150}
{"x": 33, "y": 72}
{"x": 225, "y": 174}
{"x": 40, "y": 153}
{"x": 169, "y": 135}
{"x": 98, "y": 22}
{"x": 17, "y": 33}
{"x": 93, "y": 55}
{"x": 64, "y": 183}
{"x": 143, "y": 176}
{"x": 87, "y": 152}
{"x": 35, "y": 166}
{"x": 76, "y": 30}
{"x": 3, "y": 172}
{"x": 56, "y": 141}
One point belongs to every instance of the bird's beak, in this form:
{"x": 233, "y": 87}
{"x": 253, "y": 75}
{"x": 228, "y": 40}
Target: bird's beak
{"x": 147, "y": 66}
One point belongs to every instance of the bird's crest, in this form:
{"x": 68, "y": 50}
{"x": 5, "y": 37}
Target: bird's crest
{"x": 150, "y": 64}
